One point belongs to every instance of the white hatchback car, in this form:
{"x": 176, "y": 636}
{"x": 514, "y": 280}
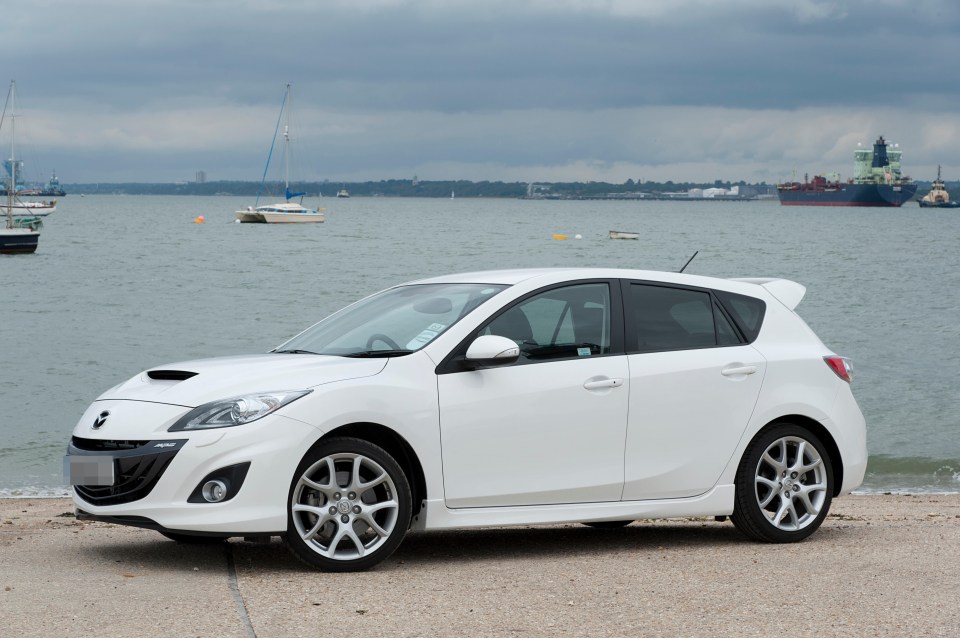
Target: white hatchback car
{"x": 492, "y": 398}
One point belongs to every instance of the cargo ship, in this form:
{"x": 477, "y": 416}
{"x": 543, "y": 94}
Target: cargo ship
{"x": 877, "y": 181}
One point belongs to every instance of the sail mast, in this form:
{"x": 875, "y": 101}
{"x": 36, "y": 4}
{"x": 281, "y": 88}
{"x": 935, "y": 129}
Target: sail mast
{"x": 12, "y": 183}
{"x": 286, "y": 146}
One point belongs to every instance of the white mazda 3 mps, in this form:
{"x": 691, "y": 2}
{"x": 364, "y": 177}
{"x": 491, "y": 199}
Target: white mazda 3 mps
{"x": 492, "y": 398}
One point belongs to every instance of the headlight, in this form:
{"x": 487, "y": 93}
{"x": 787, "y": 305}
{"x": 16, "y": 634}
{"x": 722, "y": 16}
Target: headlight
{"x": 236, "y": 411}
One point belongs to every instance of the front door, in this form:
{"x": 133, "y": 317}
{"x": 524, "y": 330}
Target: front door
{"x": 550, "y": 428}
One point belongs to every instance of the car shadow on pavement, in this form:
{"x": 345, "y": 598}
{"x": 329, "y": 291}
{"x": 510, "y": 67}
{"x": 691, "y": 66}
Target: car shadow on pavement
{"x": 559, "y": 542}
{"x": 151, "y": 550}
{"x": 437, "y": 548}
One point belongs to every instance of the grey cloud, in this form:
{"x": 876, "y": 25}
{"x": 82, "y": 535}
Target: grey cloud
{"x": 384, "y": 87}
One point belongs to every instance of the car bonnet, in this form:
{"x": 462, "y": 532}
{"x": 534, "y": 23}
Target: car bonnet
{"x": 192, "y": 383}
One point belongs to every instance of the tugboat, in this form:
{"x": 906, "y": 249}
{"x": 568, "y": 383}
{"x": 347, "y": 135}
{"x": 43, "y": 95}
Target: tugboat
{"x": 53, "y": 188}
{"x": 877, "y": 181}
{"x": 938, "y": 197}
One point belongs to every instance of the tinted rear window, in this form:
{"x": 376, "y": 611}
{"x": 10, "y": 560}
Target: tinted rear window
{"x": 746, "y": 311}
{"x": 666, "y": 318}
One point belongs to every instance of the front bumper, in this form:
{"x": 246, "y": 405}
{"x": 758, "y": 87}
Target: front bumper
{"x": 153, "y": 485}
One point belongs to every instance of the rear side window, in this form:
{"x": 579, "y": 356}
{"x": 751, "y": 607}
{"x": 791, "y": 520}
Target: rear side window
{"x": 747, "y": 311}
{"x": 666, "y": 318}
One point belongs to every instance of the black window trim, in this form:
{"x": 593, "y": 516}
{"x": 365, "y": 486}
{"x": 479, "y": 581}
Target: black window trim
{"x": 453, "y": 362}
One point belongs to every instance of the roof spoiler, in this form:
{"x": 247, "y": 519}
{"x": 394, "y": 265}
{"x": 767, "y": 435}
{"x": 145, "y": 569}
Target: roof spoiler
{"x": 790, "y": 293}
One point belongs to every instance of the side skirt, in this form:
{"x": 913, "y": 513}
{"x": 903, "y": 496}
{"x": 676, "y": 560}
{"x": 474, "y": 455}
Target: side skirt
{"x": 436, "y": 515}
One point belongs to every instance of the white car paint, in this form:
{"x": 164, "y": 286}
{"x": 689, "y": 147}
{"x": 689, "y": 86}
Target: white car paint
{"x": 611, "y": 437}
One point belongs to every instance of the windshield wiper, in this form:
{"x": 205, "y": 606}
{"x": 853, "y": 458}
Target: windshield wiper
{"x": 374, "y": 354}
{"x": 293, "y": 352}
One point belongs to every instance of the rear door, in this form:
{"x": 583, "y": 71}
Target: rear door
{"x": 694, "y": 382}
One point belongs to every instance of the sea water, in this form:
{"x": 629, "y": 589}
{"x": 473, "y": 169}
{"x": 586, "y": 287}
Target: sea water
{"x": 123, "y": 283}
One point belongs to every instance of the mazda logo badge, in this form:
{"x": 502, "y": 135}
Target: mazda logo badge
{"x": 100, "y": 420}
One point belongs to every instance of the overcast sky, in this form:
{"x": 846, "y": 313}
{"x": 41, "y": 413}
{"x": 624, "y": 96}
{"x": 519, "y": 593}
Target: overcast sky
{"x": 514, "y": 90}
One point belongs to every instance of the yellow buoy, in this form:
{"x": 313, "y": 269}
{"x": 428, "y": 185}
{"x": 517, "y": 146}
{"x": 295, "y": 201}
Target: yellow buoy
{"x": 198, "y": 220}
{"x": 560, "y": 237}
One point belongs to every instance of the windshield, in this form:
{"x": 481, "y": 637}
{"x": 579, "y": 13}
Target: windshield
{"x": 394, "y": 322}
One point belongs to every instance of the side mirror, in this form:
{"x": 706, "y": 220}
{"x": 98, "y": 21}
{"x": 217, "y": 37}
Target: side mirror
{"x": 492, "y": 350}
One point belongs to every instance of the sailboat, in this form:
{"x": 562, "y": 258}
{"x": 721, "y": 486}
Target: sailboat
{"x": 18, "y": 235}
{"x": 285, "y": 211}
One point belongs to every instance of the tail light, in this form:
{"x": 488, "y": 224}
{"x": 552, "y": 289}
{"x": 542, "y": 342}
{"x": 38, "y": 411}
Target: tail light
{"x": 841, "y": 367}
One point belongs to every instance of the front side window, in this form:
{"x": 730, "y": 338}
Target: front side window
{"x": 395, "y": 322}
{"x": 667, "y": 318}
{"x": 567, "y": 322}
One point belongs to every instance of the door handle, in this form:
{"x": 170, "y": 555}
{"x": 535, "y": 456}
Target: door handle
{"x": 733, "y": 371}
{"x": 603, "y": 383}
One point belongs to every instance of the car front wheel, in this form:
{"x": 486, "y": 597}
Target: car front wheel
{"x": 349, "y": 506}
{"x": 784, "y": 485}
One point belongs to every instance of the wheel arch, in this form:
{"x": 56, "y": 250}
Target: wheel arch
{"x": 822, "y": 433}
{"x": 399, "y": 449}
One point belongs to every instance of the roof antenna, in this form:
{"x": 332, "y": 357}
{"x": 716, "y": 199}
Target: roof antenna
{"x": 688, "y": 261}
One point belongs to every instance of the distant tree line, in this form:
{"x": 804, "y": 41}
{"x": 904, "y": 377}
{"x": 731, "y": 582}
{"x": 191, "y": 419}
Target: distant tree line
{"x": 406, "y": 188}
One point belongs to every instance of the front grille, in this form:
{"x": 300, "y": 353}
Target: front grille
{"x": 137, "y": 465}
{"x": 96, "y": 445}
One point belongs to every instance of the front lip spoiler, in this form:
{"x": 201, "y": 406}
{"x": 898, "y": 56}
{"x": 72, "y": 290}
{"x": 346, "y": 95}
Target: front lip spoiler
{"x": 148, "y": 523}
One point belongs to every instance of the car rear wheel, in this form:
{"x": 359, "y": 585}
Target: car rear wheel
{"x": 784, "y": 485}
{"x": 349, "y": 506}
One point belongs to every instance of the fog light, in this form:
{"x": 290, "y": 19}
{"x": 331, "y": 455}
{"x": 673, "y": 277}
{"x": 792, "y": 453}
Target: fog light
{"x": 214, "y": 491}
{"x": 220, "y": 485}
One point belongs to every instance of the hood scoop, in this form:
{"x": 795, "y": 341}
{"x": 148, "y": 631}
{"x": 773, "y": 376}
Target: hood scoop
{"x": 170, "y": 375}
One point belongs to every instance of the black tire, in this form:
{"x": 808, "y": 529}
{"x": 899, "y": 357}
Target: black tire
{"x": 607, "y": 524}
{"x": 339, "y": 525}
{"x": 784, "y": 485}
{"x": 193, "y": 539}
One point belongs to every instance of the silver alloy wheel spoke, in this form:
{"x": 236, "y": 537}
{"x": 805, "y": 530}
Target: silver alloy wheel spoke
{"x": 803, "y": 469}
{"x": 315, "y": 486}
{"x": 367, "y": 513}
{"x": 804, "y": 497}
{"x": 771, "y": 491}
{"x": 774, "y": 463}
{"x": 790, "y": 483}
{"x": 328, "y": 515}
{"x": 373, "y": 483}
{"x": 323, "y": 520}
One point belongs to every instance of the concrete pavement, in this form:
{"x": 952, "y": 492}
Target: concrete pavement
{"x": 880, "y": 566}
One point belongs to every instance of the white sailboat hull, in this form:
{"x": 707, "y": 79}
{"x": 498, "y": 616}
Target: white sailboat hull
{"x": 29, "y": 209}
{"x": 281, "y": 214}
{"x": 249, "y": 216}
{"x": 312, "y": 217}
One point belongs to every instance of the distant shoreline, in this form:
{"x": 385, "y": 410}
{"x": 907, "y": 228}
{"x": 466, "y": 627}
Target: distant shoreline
{"x": 441, "y": 189}
{"x": 450, "y": 189}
